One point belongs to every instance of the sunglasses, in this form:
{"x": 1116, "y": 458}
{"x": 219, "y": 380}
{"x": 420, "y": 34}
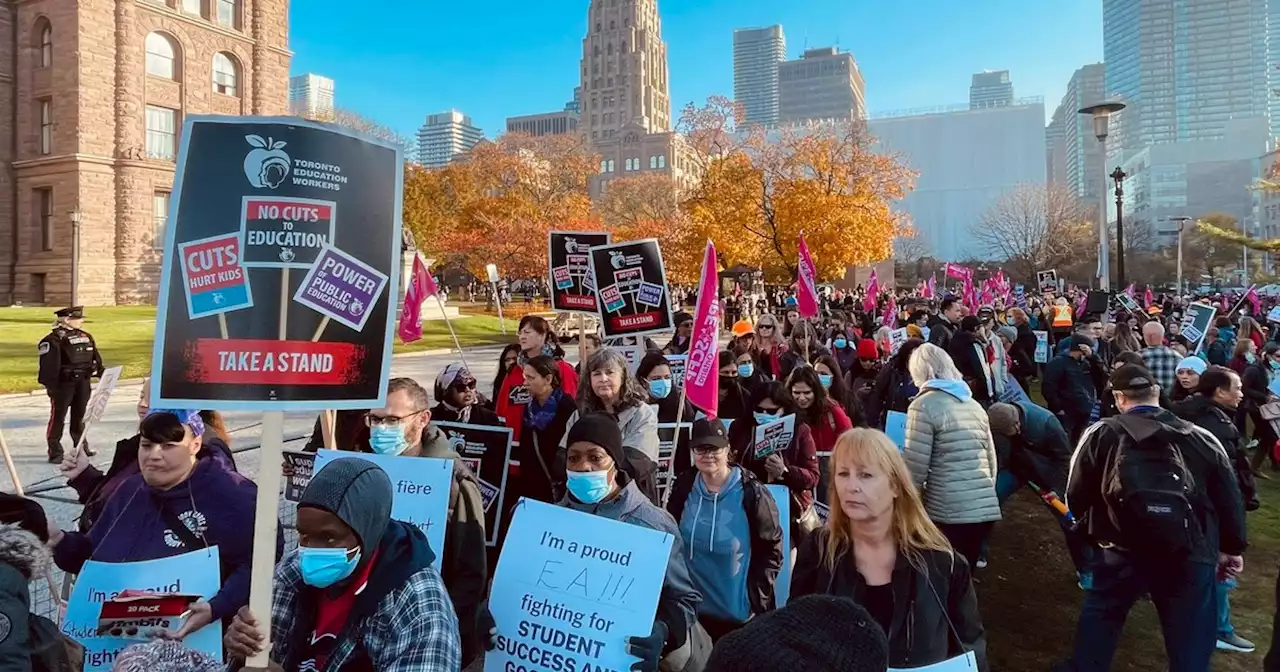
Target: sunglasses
{"x": 763, "y": 327}
{"x": 761, "y": 409}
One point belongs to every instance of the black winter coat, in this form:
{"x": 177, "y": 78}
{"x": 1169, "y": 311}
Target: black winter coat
{"x": 764, "y": 525}
{"x": 1068, "y": 389}
{"x": 1218, "y": 421}
{"x": 925, "y": 606}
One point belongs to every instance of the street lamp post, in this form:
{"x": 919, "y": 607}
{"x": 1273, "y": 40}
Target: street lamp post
{"x": 76, "y": 217}
{"x": 1101, "y": 114}
{"x": 1118, "y": 175}
{"x": 1182, "y": 225}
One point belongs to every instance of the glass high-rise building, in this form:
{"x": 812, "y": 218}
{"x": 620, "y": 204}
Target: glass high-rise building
{"x": 756, "y": 55}
{"x": 991, "y": 88}
{"x": 1185, "y": 67}
{"x": 1075, "y": 159}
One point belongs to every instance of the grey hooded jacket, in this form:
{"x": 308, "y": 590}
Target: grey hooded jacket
{"x": 951, "y": 454}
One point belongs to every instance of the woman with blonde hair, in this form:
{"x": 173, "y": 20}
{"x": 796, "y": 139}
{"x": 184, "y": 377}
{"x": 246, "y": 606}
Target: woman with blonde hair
{"x": 769, "y": 345}
{"x": 880, "y": 549}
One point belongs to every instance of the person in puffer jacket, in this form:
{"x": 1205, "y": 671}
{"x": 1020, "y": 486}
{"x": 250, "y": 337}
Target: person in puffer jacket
{"x": 950, "y": 452}
{"x": 729, "y": 523}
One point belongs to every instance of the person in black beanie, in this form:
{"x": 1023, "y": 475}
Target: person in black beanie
{"x": 815, "y": 633}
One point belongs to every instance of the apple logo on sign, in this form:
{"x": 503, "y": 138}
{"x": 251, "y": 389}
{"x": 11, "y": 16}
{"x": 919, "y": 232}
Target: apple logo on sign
{"x": 267, "y": 164}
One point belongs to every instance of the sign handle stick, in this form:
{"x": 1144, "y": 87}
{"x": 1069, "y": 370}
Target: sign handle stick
{"x": 449, "y": 323}
{"x": 675, "y": 443}
{"x": 222, "y": 325}
{"x": 284, "y": 302}
{"x": 320, "y": 329}
{"x": 13, "y": 471}
{"x": 327, "y": 422}
{"x": 582, "y": 340}
{"x": 497, "y": 301}
{"x": 264, "y": 530}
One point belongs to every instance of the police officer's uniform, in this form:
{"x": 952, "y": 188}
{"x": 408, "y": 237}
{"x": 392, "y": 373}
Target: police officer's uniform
{"x": 68, "y": 359}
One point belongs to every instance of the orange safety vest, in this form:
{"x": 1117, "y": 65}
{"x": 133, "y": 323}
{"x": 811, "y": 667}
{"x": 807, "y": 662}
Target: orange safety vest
{"x": 1062, "y": 317}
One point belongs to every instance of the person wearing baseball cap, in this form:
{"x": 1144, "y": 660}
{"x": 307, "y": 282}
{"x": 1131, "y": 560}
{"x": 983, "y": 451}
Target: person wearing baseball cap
{"x": 730, "y": 524}
{"x": 1158, "y": 495}
{"x": 1069, "y": 388}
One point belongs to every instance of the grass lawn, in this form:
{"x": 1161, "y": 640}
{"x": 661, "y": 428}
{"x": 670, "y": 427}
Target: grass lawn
{"x": 124, "y": 334}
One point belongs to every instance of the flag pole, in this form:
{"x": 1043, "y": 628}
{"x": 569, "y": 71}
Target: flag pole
{"x": 449, "y": 323}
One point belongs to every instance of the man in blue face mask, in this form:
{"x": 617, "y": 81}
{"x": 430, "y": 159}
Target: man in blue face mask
{"x": 360, "y": 592}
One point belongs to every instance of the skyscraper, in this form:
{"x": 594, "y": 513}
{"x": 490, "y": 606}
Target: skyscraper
{"x": 990, "y": 88}
{"x": 822, "y": 84}
{"x": 1185, "y": 68}
{"x": 1077, "y": 162}
{"x": 446, "y": 136}
{"x": 311, "y": 96}
{"x": 756, "y": 55}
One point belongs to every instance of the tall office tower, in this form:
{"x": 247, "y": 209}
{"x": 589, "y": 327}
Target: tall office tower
{"x": 1273, "y": 65}
{"x": 311, "y": 96}
{"x": 756, "y": 55}
{"x": 446, "y": 136}
{"x": 624, "y": 70}
{"x": 1185, "y": 68}
{"x": 1078, "y": 160}
{"x": 991, "y": 88}
{"x": 822, "y": 84}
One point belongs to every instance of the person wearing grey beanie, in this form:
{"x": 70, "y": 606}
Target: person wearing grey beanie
{"x": 815, "y": 633}
{"x": 360, "y": 590}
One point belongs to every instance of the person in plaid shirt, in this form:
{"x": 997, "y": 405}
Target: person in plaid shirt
{"x": 1161, "y": 360}
{"x": 360, "y": 592}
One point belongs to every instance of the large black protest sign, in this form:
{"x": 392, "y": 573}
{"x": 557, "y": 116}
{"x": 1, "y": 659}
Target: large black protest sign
{"x": 631, "y": 286}
{"x": 486, "y": 449}
{"x": 1048, "y": 280}
{"x": 1196, "y": 322}
{"x": 293, "y": 230}
{"x": 568, "y": 253}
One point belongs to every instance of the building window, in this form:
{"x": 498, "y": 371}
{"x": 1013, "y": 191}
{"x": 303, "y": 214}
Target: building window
{"x": 603, "y": 165}
{"x": 226, "y": 14}
{"x": 161, "y": 133}
{"x": 662, "y": 160}
{"x": 224, "y": 74}
{"x": 193, "y": 7}
{"x": 46, "y": 127}
{"x": 46, "y": 44}
{"x": 610, "y": 166}
{"x": 161, "y": 56}
{"x": 159, "y": 217}
{"x": 653, "y": 162}
{"x": 42, "y": 202}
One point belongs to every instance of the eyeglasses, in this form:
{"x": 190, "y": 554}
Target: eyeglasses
{"x": 458, "y": 387}
{"x": 372, "y": 420}
{"x": 761, "y": 409}
{"x": 762, "y": 327}
{"x": 707, "y": 449}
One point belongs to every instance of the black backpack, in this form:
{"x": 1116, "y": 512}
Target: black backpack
{"x": 1150, "y": 494}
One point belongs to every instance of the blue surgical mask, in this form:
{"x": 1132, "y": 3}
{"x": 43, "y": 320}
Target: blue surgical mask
{"x": 1275, "y": 366}
{"x": 387, "y": 439}
{"x": 660, "y": 388}
{"x": 1250, "y": 357}
{"x": 840, "y": 343}
{"x": 589, "y": 487}
{"x": 825, "y": 379}
{"x": 764, "y": 418}
{"x": 323, "y": 567}
{"x": 745, "y": 370}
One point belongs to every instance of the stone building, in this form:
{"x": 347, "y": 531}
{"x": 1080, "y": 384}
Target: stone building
{"x": 92, "y": 95}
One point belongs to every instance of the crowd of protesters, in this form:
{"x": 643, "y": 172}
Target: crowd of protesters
{"x": 1140, "y": 451}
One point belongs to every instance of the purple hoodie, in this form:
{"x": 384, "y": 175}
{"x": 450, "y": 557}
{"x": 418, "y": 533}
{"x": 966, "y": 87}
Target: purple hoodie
{"x": 215, "y": 501}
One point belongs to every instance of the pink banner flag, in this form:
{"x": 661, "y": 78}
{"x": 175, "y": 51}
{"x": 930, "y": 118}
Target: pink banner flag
{"x": 930, "y": 288}
{"x": 1147, "y": 298}
{"x": 1252, "y": 297}
{"x": 1131, "y": 289}
{"x": 959, "y": 272}
{"x": 806, "y": 281}
{"x": 702, "y": 370}
{"x": 873, "y": 292}
{"x": 421, "y": 286}
{"x": 890, "y": 317}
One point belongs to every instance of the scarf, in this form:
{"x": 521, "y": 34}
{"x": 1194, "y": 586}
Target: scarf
{"x": 540, "y": 416}
{"x": 463, "y": 414}
{"x": 547, "y": 349}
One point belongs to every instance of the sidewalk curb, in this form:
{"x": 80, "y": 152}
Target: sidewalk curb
{"x": 137, "y": 382}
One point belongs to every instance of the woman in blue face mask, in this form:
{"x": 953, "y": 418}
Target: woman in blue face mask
{"x": 656, "y": 375}
{"x": 599, "y": 484}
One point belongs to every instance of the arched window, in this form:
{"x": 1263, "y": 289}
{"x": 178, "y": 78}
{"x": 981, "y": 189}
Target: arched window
{"x": 45, "y": 31}
{"x": 161, "y": 56}
{"x": 225, "y": 74}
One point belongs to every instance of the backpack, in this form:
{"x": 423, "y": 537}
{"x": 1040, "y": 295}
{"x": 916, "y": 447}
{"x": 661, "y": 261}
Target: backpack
{"x": 1150, "y": 494}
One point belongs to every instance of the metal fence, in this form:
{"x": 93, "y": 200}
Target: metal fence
{"x": 49, "y": 593}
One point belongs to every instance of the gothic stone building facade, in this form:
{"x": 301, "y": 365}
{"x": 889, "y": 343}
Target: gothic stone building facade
{"x": 92, "y": 97}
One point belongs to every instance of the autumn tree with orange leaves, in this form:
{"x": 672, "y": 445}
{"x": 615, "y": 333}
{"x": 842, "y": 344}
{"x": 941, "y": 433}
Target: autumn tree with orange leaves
{"x": 648, "y": 206}
{"x": 760, "y": 190}
{"x": 497, "y": 203}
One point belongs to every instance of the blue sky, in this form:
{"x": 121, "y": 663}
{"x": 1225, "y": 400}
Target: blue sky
{"x": 399, "y": 60}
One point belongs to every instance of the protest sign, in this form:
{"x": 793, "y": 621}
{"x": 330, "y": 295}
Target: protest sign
{"x": 572, "y": 289}
{"x": 341, "y": 288}
{"x": 782, "y": 587}
{"x": 677, "y": 363}
{"x": 486, "y": 449}
{"x": 97, "y": 406}
{"x": 966, "y": 662}
{"x": 632, "y": 282}
{"x": 1048, "y": 280}
{"x": 213, "y": 276}
{"x": 419, "y": 486}
{"x": 1195, "y": 322}
{"x": 274, "y": 196}
{"x": 897, "y": 338}
{"x": 895, "y": 427}
{"x": 194, "y": 573}
{"x": 775, "y": 437}
{"x": 1042, "y": 346}
{"x": 1127, "y": 302}
{"x": 570, "y": 588}
{"x": 1020, "y": 296}
{"x": 302, "y": 465}
{"x": 671, "y": 435}
{"x": 1274, "y": 315}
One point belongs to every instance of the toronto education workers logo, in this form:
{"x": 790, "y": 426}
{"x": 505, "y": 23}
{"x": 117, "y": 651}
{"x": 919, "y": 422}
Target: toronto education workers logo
{"x": 268, "y": 166}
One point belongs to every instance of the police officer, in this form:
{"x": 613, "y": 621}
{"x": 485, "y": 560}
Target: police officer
{"x": 68, "y": 359}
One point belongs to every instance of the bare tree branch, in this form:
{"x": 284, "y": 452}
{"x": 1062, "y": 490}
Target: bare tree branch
{"x": 1034, "y": 227}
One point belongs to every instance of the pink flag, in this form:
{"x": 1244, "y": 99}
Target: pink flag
{"x": 1147, "y": 298}
{"x": 421, "y": 285}
{"x": 930, "y": 288}
{"x": 1131, "y": 289}
{"x": 702, "y": 370}
{"x": 806, "y": 281}
{"x": 890, "y": 318}
{"x": 873, "y": 292}
{"x": 1252, "y": 297}
{"x": 959, "y": 272}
